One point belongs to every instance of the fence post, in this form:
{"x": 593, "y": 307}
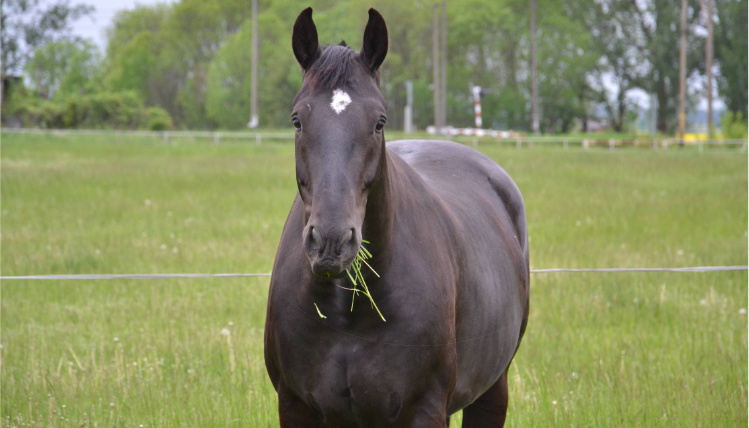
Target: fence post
{"x": 565, "y": 143}
{"x": 585, "y": 144}
{"x": 611, "y": 144}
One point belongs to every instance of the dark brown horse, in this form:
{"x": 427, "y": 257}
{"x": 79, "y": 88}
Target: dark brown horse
{"x": 447, "y": 232}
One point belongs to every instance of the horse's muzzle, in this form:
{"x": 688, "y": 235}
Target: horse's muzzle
{"x": 330, "y": 254}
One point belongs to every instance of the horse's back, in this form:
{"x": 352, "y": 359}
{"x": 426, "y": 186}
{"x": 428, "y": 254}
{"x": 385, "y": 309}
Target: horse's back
{"x": 460, "y": 174}
{"x": 489, "y": 213}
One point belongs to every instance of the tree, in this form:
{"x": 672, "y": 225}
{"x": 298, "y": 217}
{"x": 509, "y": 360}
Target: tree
{"x": 137, "y": 53}
{"x": 731, "y": 53}
{"x": 27, "y": 25}
{"x": 489, "y": 47}
{"x": 566, "y": 54}
{"x": 62, "y": 68}
{"x": 228, "y": 91}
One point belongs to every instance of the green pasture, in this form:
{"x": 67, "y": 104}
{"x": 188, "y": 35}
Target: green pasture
{"x": 601, "y": 350}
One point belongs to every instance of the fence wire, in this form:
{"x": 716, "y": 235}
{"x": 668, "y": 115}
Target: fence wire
{"x": 250, "y": 275}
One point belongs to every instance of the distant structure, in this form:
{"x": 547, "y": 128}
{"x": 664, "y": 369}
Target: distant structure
{"x": 478, "y": 131}
{"x": 254, "y": 121}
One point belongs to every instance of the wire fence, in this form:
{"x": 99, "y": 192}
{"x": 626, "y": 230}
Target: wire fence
{"x": 258, "y": 137}
{"x": 245, "y": 275}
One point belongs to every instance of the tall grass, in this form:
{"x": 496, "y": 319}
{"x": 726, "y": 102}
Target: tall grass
{"x": 656, "y": 349}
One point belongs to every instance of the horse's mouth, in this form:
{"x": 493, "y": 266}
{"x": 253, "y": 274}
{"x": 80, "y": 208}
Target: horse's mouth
{"x": 331, "y": 268}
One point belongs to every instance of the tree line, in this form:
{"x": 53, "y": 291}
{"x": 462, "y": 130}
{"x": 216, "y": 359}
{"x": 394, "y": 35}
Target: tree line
{"x": 187, "y": 64}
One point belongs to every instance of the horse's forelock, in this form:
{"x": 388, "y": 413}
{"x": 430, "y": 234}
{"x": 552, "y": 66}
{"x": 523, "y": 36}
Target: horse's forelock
{"x": 332, "y": 69}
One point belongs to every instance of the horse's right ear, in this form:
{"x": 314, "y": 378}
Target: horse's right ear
{"x": 304, "y": 40}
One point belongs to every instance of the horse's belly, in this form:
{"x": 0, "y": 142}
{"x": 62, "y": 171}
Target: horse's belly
{"x": 486, "y": 343}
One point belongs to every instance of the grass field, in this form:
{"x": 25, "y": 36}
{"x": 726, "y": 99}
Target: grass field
{"x": 654, "y": 349}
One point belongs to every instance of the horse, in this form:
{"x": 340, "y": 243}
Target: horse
{"x": 449, "y": 279}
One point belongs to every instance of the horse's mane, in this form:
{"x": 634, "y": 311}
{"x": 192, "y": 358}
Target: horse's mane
{"x": 332, "y": 69}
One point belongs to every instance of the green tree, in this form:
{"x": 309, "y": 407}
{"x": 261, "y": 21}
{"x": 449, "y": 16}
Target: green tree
{"x": 135, "y": 52}
{"x": 61, "y": 68}
{"x": 134, "y": 66}
{"x": 228, "y": 92}
{"x": 731, "y": 53}
{"x": 28, "y": 24}
{"x": 641, "y": 43}
{"x": 566, "y": 55}
{"x": 489, "y": 47}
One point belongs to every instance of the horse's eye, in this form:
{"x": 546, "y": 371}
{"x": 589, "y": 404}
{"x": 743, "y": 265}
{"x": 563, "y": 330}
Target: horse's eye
{"x": 297, "y": 123}
{"x": 380, "y": 125}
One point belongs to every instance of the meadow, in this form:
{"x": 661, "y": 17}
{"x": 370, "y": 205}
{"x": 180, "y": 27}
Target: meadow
{"x": 614, "y": 350}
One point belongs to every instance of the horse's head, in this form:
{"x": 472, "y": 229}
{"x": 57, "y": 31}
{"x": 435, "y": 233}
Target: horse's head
{"x": 339, "y": 115}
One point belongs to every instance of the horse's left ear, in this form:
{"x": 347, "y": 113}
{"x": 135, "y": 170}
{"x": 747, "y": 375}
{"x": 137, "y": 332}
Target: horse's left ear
{"x": 375, "y": 45}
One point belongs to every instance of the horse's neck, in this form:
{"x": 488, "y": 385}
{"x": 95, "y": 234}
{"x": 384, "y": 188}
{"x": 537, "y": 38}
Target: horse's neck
{"x": 381, "y": 204}
{"x": 395, "y": 185}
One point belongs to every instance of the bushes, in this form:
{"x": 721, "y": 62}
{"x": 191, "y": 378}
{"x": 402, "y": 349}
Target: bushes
{"x": 733, "y": 125}
{"x": 104, "y": 110}
{"x": 157, "y": 119}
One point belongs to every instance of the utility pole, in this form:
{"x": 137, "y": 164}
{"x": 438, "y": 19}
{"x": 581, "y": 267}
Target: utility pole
{"x": 707, "y": 8}
{"x": 408, "y": 110}
{"x": 436, "y": 65}
{"x": 443, "y": 58}
{"x": 253, "y": 70}
{"x": 682, "y": 71}
{"x": 534, "y": 72}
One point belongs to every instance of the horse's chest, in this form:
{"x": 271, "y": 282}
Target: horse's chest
{"x": 355, "y": 383}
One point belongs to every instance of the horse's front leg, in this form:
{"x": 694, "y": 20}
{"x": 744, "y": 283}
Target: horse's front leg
{"x": 430, "y": 419}
{"x": 294, "y": 412}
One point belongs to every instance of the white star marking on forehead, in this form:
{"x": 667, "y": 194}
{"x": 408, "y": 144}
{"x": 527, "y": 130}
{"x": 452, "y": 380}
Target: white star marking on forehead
{"x": 340, "y": 101}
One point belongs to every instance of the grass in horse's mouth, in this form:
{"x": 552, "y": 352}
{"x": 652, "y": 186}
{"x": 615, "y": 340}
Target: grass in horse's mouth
{"x": 357, "y": 278}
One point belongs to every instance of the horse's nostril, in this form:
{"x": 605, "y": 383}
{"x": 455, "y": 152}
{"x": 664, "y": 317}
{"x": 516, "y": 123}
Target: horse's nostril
{"x": 314, "y": 242}
{"x": 346, "y": 239}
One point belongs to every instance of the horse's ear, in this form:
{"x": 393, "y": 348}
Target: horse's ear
{"x": 375, "y": 45}
{"x": 304, "y": 40}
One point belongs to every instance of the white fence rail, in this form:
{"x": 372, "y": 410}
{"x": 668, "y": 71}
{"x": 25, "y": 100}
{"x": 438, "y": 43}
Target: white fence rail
{"x": 586, "y": 143}
{"x": 166, "y": 136}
